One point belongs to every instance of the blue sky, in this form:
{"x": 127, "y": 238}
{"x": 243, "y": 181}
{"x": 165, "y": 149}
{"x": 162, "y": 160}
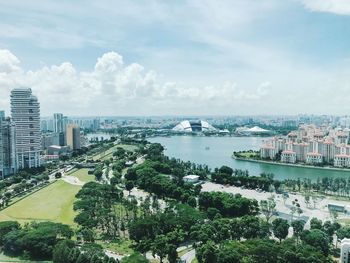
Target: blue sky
{"x": 178, "y": 57}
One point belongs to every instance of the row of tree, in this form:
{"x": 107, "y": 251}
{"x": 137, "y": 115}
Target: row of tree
{"x": 239, "y": 178}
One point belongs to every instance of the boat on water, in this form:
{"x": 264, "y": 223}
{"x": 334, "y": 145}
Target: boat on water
{"x": 207, "y": 148}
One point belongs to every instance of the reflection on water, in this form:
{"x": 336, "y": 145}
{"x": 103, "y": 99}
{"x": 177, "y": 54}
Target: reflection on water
{"x": 191, "y": 148}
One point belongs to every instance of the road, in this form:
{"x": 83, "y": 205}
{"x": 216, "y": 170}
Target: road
{"x": 189, "y": 256}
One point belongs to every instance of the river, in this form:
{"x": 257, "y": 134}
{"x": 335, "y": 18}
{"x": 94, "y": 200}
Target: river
{"x": 193, "y": 148}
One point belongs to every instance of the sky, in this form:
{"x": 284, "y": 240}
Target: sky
{"x": 195, "y": 57}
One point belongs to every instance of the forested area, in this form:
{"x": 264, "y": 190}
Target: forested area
{"x": 220, "y": 227}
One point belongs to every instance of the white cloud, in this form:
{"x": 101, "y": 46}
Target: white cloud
{"x": 8, "y": 62}
{"x": 341, "y": 7}
{"x": 112, "y": 88}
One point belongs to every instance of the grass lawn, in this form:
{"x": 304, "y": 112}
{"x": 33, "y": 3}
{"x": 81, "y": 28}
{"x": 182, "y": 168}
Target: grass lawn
{"x": 344, "y": 221}
{"x": 82, "y": 175}
{"x": 248, "y": 154}
{"x": 108, "y": 154}
{"x": 4, "y": 258}
{"x": 28, "y": 193}
{"x": 53, "y": 203}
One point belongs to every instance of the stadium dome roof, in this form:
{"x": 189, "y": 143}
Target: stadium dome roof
{"x": 193, "y": 126}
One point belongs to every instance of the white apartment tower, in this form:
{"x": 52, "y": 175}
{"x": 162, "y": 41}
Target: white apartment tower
{"x": 25, "y": 112}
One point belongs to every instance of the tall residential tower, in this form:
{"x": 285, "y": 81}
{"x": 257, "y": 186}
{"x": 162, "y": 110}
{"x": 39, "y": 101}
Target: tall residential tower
{"x": 58, "y": 123}
{"x": 25, "y": 112}
{"x": 8, "y": 165}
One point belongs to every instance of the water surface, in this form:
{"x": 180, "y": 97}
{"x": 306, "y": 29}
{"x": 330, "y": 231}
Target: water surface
{"x": 193, "y": 148}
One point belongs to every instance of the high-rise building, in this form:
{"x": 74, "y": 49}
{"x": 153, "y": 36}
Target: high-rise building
{"x": 62, "y": 139}
{"x": 2, "y": 114}
{"x": 58, "y": 122}
{"x": 8, "y": 165}
{"x": 96, "y": 124}
{"x": 73, "y": 137}
{"x": 43, "y": 126}
{"x": 48, "y": 139}
{"x": 25, "y": 112}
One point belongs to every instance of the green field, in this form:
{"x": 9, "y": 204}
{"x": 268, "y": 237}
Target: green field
{"x": 119, "y": 246}
{"x": 82, "y": 175}
{"x": 248, "y": 154}
{"x": 52, "y": 203}
{"x": 4, "y": 258}
{"x": 108, "y": 154}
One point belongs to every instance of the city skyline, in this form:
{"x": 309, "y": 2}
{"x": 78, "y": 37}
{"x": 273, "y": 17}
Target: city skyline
{"x": 184, "y": 58}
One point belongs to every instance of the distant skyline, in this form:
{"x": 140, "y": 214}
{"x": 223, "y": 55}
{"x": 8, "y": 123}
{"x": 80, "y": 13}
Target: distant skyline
{"x": 199, "y": 57}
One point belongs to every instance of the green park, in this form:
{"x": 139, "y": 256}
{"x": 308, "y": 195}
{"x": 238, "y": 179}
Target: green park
{"x": 52, "y": 203}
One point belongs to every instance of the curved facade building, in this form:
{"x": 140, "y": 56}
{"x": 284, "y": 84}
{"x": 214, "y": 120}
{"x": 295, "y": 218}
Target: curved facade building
{"x": 194, "y": 126}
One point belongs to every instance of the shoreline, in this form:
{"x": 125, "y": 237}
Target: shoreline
{"x": 291, "y": 164}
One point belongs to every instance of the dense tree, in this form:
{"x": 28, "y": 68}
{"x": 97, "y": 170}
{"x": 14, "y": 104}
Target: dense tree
{"x": 315, "y": 223}
{"x": 159, "y": 247}
{"x": 134, "y": 258}
{"x": 207, "y": 253}
{"x": 62, "y": 250}
{"x": 330, "y": 228}
{"x": 229, "y": 205}
{"x": 229, "y": 253}
{"x": 6, "y": 227}
{"x": 129, "y": 185}
{"x": 226, "y": 170}
{"x": 268, "y": 208}
{"x": 298, "y": 226}
{"x": 250, "y": 226}
{"x": 280, "y": 228}
{"x": 316, "y": 238}
{"x": 98, "y": 173}
{"x": 95, "y": 204}
{"x": 242, "y": 178}
{"x": 192, "y": 201}
{"x": 38, "y": 240}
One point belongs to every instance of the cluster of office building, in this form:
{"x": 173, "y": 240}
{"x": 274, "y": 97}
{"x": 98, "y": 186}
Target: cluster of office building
{"x": 21, "y": 140}
{"x": 311, "y": 145}
{"x": 63, "y": 137}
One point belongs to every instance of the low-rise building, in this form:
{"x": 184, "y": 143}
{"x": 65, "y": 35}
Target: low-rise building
{"x": 48, "y": 139}
{"x": 58, "y": 150}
